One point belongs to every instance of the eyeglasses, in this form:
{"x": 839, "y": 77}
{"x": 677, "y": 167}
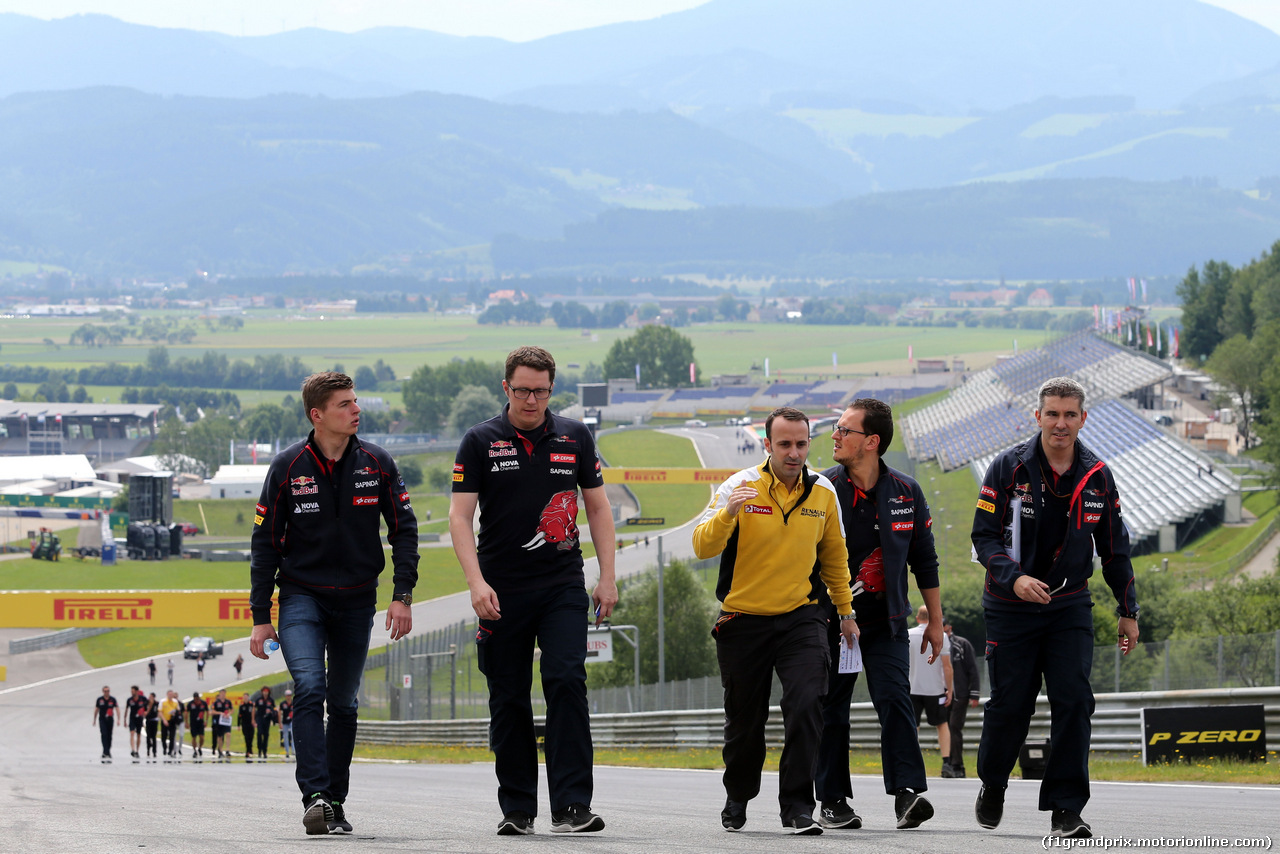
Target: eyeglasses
{"x": 538, "y": 393}
{"x": 843, "y": 432}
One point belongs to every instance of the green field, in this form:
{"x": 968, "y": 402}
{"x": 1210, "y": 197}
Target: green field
{"x": 409, "y": 341}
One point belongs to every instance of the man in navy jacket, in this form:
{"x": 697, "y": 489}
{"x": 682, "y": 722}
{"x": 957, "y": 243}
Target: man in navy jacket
{"x": 887, "y": 527}
{"x": 1043, "y": 509}
{"x": 316, "y": 535}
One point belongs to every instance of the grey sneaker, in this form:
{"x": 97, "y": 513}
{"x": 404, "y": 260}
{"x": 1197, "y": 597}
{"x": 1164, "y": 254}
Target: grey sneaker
{"x": 576, "y": 818}
{"x": 317, "y": 815}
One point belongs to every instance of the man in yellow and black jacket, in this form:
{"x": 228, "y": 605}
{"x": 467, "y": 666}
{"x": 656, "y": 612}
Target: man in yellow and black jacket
{"x": 777, "y": 528}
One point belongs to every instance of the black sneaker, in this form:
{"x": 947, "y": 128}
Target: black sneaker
{"x": 339, "y": 823}
{"x": 958, "y": 772}
{"x": 1069, "y": 824}
{"x": 734, "y": 815}
{"x": 947, "y": 771}
{"x": 911, "y": 808}
{"x": 803, "y": 825}
{"x": 317, "y": 815}
{"x": 515, "y": 824}
{"x": 989, "y": 808}
{"x": 576, "y": 818}
{"x": 837, "y": 814}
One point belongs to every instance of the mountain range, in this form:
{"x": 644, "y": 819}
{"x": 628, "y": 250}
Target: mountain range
{"x": 133, "y": 149}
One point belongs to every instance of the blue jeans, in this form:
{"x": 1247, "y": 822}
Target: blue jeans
{"x": 886, "y": 663}
{"x": 309, "y": 627}
{"x": 557, "y": 619}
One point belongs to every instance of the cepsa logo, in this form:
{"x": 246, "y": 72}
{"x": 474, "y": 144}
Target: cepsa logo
{"x": 903, "y": 526}
{"x": 364, "y": 500}
{"x": 114, "y": 610}
{"x": 564, "y": 458}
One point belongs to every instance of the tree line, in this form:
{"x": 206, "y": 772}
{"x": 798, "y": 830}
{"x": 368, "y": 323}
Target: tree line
{"x": 1231, "y": 325}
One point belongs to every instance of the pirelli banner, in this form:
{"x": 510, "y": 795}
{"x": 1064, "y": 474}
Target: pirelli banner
{"x": 1185, "y": 733}
{"x": 126, "y": 609}
{"x": 710, "y": 477}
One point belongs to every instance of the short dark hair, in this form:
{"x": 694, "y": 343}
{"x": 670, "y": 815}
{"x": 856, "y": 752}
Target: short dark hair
{"x": 530, "y": 357}
{"x": 790, "y": 413}
{"x": 318, "y": 388}
{"x": 1061, "y": 387}
{"x": 877, "y": 420}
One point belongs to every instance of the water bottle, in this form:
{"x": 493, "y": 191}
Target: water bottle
{"x": 270, "y": 646}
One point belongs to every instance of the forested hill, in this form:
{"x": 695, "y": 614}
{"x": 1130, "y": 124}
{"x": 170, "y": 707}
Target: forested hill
{"x": 1038, "y": 229}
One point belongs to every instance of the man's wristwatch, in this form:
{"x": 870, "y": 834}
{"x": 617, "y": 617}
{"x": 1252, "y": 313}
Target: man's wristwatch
{"x": 852, "y": 615}
{"x": 406, "y": 598}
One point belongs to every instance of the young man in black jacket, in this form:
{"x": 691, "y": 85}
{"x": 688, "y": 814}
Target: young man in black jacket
{"x": 316, "y": 536}
{"x": 1043, "y": 509}
{"x": 887, "y": 527}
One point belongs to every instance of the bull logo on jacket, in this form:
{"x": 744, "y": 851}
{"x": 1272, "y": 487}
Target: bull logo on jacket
{"x": 557, "y": 523}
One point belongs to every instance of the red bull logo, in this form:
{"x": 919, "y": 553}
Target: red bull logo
{"x": 501, "y": 443}
{"x": 303, "y": 480}
{"x": 558, "y": 523}
{"x": 871, "y": 572}
{"x": 115, "y": 610}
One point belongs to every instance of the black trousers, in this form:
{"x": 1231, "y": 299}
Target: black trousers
{"x": 557, "y": 620}
{"x": 750, "y": 650}
{"x": 151, "y": 726}
{"x": 248, "y": 739}
{"x": 1021, "y": 650}
{"x": 264, "y": 738}
{"x": 959, "y": 713}
{"x": 105, "y": 724}
{"x": 886, "y": 663}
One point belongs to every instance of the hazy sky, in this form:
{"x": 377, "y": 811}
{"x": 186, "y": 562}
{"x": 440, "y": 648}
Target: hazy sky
{"x": 518, "y": 20}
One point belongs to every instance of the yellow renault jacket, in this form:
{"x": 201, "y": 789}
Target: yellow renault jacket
{"x": 778, "y": 546}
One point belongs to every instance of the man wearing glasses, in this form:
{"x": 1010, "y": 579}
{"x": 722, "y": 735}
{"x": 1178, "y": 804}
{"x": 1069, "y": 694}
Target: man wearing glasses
{"x": 523, "y": 469}
{"x": 886, "y": 526}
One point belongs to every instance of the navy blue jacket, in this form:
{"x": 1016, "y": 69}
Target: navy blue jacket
{"x": 906, "y": 535}
{"x": 1093, "y": 522}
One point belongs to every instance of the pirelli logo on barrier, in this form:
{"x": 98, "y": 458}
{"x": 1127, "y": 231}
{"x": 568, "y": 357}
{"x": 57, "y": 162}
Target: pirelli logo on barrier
{"x": 681, "y": 476}
{"x": 96, "y": 611}
{"x": 125, "y": 608}
{"x": 1186, "y": 733}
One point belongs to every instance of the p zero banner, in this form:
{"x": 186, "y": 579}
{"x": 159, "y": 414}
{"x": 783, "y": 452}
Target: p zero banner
{"x": 711, "y": 477}
{"x": 126, "y": 609}
{"x": 1183, "y": 733}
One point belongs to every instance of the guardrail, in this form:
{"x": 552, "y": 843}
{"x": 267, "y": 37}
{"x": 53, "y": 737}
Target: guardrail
{"x": 53, "y": 639}
{"x": 1117, "y": 724}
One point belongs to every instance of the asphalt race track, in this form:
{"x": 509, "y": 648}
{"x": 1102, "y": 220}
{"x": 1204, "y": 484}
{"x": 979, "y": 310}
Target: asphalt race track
{"x": 57, "y": 796}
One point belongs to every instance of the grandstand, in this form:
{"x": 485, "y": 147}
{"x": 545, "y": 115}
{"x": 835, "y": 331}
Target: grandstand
{"x": 1166, "y": 487}
{"x": 100, "y": 431}
{"x": 993, "y": 409}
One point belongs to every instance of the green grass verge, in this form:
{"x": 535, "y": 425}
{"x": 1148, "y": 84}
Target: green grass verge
{"x": 1120, "y": 767}
{"x": 676, "y": 504}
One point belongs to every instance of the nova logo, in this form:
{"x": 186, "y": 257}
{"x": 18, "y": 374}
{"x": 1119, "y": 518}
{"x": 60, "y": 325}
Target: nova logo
{"x": 105, "y": 610}
{"x": 237, "y": 609}
{"x": 756, "y": 508}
